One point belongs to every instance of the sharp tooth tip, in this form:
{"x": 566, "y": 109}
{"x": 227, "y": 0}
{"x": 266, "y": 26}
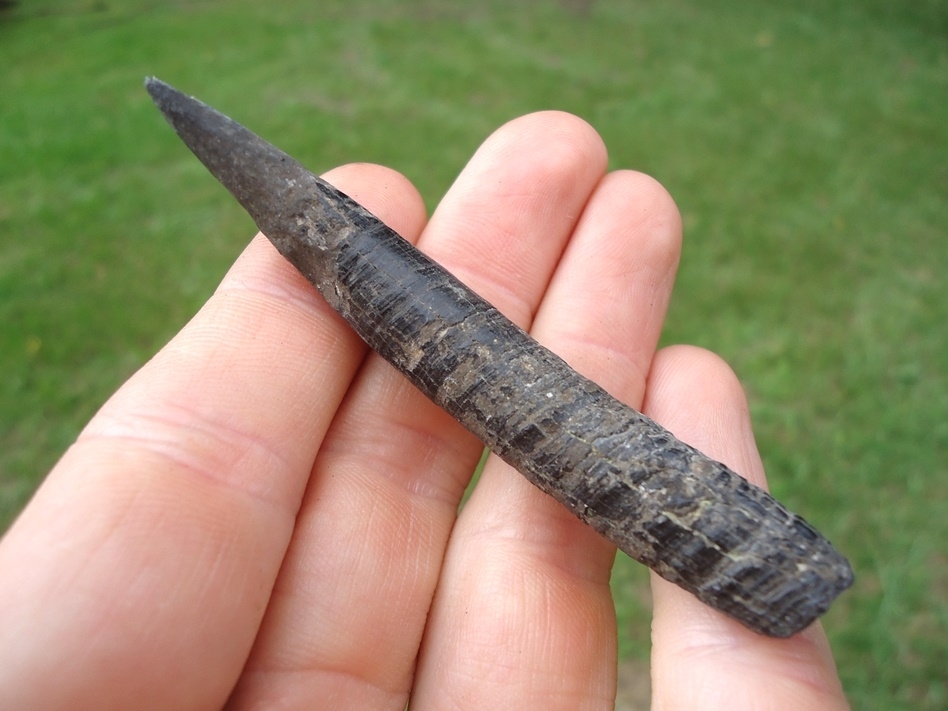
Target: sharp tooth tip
{"x": 160, "y": 91}
{"x": 155, "y": 87}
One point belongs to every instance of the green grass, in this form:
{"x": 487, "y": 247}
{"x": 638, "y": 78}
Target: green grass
{"x": 806, "y": 145}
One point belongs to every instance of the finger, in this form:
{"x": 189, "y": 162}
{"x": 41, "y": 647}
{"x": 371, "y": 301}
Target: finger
{"x": 137, "y": 576}
{"x": 351, "y": 603}
{"x": 700, "y": 657}
{"x": 523, "y": 616}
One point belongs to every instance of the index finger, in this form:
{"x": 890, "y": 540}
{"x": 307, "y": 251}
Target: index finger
{"x": 150, "y": 551}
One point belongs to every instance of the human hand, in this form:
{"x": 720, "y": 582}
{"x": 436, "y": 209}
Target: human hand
{"x": 266, "y": 517}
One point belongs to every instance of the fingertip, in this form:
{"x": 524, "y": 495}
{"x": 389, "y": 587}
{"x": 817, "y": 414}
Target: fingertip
{"x": 632, "y": 224}
{"x": 554, "y": 148}
{"x": 568, "y": 140}
{"x": 682, "y": 371}
{"x": 384, "y": 192}
{"x": 657, "y": 209}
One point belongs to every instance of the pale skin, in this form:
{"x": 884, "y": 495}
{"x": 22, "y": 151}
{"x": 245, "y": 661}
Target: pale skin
{"x": 265, "y": 515}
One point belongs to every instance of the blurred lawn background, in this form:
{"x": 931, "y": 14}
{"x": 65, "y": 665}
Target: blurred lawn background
{"x": 806, "y": 145}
